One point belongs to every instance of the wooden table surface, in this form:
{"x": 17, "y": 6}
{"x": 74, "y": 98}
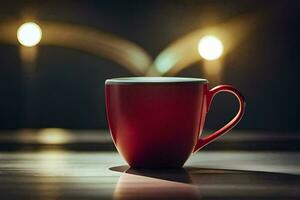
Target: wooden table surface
{"x": 104, "y": 175}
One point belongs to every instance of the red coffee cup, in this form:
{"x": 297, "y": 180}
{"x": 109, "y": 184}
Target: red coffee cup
{"x": 156, "y": 122}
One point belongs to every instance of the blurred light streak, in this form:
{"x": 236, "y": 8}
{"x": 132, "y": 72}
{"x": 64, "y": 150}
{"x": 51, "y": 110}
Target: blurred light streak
{"x": 29, "y": 34}
{"x": 28, "y": 58}
{"x": 53, "y": 136}
{"x": 86, "y": 39}
{"x": 213, "y": 69}
{"x": 184, "y": 52}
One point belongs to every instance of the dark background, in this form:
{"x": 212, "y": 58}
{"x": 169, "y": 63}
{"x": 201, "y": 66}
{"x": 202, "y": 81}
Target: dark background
{"x": 67, "y": 89}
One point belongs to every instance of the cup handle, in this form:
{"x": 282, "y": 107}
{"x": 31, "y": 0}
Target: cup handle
{"x": 210, "y": 95}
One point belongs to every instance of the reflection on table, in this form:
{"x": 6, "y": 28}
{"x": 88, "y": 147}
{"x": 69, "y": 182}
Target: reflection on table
{"x": 104, "y": 175}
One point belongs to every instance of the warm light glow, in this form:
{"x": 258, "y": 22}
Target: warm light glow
{"x": 53, "y": 136}
{"x": 210, "y": 47}
{"x": 29, "y": 34}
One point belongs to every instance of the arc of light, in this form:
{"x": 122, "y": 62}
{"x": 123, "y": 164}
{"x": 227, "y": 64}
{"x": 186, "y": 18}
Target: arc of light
{"x": 93, "y": 41}
{"x": 183, "y": 52}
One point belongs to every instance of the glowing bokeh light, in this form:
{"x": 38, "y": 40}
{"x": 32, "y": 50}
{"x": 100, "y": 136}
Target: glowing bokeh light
{"x": 210, "y": 47}
{"x": 29, "y": 34}
{"x": 53, "y": 136}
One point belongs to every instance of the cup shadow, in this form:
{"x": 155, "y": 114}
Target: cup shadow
{"x": 194, "y": 183}
{"x": 154, "y": 184}
{"x": 195, "y": 175}
{"x": 180, "y": 175}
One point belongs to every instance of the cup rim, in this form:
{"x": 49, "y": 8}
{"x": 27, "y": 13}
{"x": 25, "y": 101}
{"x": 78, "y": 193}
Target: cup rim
{"x": 154, "y": 80}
